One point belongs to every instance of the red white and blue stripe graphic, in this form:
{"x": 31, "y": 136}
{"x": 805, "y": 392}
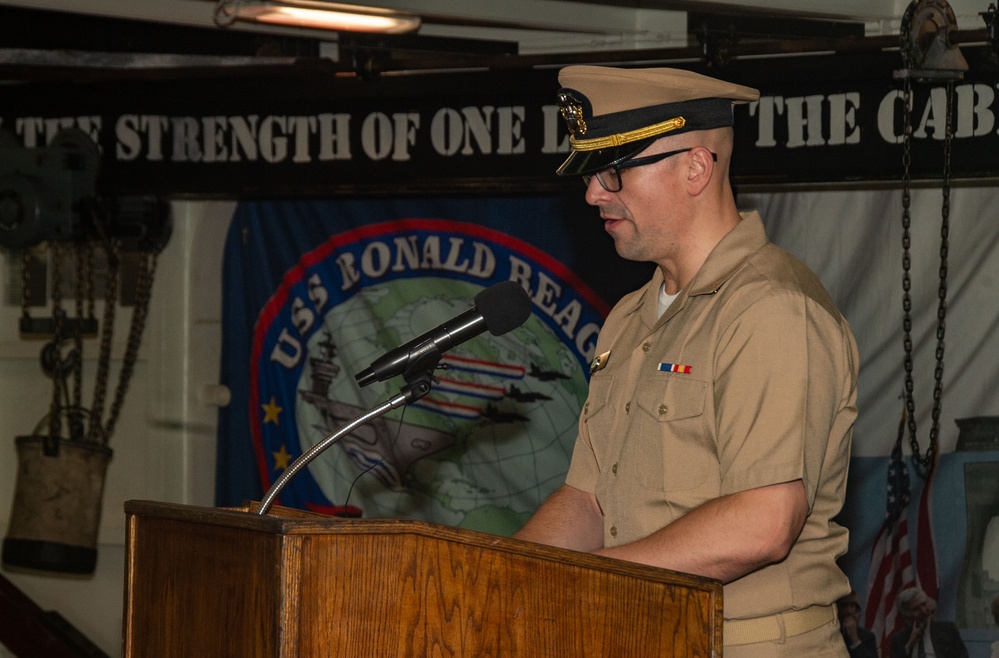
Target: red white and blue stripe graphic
{"x": 674, "y": 367}
{"x": 447, "y": 408}
{"x": 465, "y": 364}
{"x": 470, "y": 388}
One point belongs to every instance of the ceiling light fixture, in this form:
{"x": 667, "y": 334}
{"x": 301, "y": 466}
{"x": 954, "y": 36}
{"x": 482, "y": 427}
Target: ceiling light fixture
{"x": 316, "y": 15}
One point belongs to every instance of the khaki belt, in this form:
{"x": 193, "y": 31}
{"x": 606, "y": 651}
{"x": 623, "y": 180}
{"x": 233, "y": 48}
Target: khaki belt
{"x": 784, "y": 624}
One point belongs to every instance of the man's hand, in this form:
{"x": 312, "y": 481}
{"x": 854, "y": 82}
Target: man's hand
{"x": 918, "y": 627}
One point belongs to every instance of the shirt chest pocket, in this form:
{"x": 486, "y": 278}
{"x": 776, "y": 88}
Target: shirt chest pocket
{"x": 670, "y": 442}
{"x": 598, "y": 420}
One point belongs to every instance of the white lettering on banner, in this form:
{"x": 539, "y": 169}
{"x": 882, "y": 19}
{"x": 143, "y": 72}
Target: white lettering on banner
{"x": 129, "y": 132}
{"x": 767, "y": 109}
{"x": 974, "y": 118}
{"x": 886, "y": 117}
{"x": 349, "y": 273}
{"x": 383, "y": 136}
{"x": 790, "y": 122}
{"x": 471, "y": 131}
{"x": 817, "y": 120}
{"x": 811, "y": 120}
{"x": 214, "y": 142}
{"x": 972, "y": 108}
{"x": 302, "y": 316}
{"x": 318, "y": 294}
{"x": 244, "y": 138}
{"x": 477, "y": 126}
{"x": 445, "y": 132}
{"x": 334, "y": 137}
{"x": 804, "y": 121}
{"x": 287, "y": 351}
{"x": 434, "y": 253}
{"x": 510, "y": 138}
{"x": 934, "y": 117}
{"x": 376, "y": 136}
{"x": 407, "y": 250}
{"x": 407, "y": 253}
{"x": 486, "y": 130}
{"x": 377, "y": 259}
{"x": 37, "y": 131}
{"x": 843, "y": 127}
{"x": 546, "y": 295}
{"x": 298, "y": 139}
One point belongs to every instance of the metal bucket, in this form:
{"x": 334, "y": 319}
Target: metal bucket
{"x": 57, "y": 505}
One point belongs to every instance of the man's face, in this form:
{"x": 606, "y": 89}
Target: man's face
{"x": 640, "y": 217}
{"x": 922, "y": 609}
{"x": 848, "y": 609}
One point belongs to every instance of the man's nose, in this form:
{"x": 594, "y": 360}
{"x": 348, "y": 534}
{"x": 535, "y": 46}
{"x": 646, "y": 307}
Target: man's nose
{"x": 595, "y": 192}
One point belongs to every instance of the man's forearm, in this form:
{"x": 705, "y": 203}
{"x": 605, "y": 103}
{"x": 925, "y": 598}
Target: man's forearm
{"x": 569, "y": 518}
{"x": 725, "y": 538}
{"x": 728, "y": 537}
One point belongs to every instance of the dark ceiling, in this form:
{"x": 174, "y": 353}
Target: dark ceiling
{"x": 51, "y": 46}
{"x": 43, "y": 46}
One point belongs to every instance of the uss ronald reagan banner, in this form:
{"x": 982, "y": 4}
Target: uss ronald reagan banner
{"x": 821, "y": 118}
{"x": 314, "y": 291}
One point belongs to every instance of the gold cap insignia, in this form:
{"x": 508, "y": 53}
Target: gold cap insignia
{"x": 571, "y": 109}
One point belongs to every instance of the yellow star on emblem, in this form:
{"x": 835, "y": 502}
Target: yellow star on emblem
{"x": 271, "y": 411}
{"x": 282, "y": 459}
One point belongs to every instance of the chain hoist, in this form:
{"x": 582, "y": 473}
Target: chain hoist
{"x": 82, "y": 224}
{"x": 66, "y": 401}
{"x": 938, "y": 61}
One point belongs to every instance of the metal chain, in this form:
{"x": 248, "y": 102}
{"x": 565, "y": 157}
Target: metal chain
{"x": 96, "y": 433}
{"x": 25, "y": 283}
{"x": 924, "y": 460}
{"x": 143, "y": 293}
{"x": 88, "y": 292}
{"x": 88, "y": 276}
{"x": 76, "y": 421}
{"x": 55, "y": 426}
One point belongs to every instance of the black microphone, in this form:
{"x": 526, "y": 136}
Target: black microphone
{"x": 499, "y": 308}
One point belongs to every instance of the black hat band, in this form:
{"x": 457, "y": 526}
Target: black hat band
{"x": 590, "y": 133}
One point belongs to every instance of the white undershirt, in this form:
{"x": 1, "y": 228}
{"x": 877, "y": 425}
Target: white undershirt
{"x": 664, "y": 299}
{"x": 929, "y": 651}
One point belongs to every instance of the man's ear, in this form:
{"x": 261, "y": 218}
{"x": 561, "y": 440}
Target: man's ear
{"x": 700, "y": 168}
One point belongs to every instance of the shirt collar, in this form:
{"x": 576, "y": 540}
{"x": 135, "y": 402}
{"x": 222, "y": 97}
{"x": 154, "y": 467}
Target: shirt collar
{"x": 739, "y": 244}
{"x": 744, "y": 240}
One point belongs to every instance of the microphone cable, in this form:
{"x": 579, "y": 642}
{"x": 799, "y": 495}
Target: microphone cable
{"x": 395, "y": 440}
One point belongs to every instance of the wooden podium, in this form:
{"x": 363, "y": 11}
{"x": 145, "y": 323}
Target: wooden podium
{"x": 213, "y": 583}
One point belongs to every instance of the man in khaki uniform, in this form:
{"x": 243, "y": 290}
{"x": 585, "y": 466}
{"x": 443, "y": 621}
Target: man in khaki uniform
{"x": 716, "y": 436}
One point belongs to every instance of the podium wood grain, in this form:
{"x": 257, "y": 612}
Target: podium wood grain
{"x": 206, "y": 582}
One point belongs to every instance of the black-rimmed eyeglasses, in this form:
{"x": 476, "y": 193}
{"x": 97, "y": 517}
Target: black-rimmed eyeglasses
{"x": 610, "y": 178}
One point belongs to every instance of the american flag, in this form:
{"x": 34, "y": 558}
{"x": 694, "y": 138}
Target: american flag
{"x": 926, "y": 553}
{"x": 891, "y": 561}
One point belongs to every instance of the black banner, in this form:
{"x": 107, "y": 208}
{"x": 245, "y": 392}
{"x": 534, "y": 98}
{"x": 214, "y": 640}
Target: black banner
{"x": 820, "y": 119}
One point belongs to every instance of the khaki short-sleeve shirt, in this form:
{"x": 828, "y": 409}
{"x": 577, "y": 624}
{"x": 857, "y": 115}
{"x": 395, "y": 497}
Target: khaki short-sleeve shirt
{"x": 748, "y": 379}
